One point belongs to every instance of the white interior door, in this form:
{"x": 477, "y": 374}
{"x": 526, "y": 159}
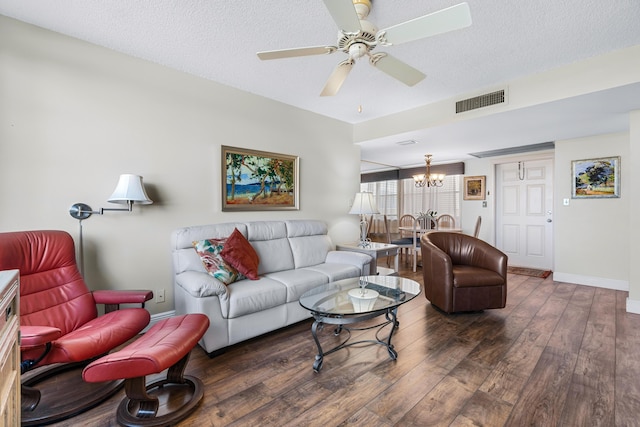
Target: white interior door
{"x": 524, "y": 217}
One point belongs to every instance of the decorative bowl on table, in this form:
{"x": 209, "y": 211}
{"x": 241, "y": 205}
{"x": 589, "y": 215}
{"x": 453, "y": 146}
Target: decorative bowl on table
{"x": 363, "y": 299}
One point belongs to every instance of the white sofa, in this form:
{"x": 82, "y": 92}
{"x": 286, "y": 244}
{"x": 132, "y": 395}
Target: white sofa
{"x": 295, "y": 256}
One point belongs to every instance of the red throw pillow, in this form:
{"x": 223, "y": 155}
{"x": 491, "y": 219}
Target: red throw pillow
{"x": 239, "y": 253}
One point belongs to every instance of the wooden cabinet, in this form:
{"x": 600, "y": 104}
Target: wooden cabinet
{"x": 9, "y": 349}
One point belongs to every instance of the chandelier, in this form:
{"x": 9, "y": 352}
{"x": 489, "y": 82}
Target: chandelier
{"x": 429, "y": 179}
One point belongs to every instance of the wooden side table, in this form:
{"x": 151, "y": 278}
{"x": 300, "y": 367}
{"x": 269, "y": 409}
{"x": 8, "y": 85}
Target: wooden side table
{"x": 375, "y": 250}
{"x": 9, "y": 349}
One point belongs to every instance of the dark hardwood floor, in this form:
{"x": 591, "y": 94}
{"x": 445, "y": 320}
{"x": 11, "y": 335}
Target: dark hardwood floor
{"x": 558, "y": 355}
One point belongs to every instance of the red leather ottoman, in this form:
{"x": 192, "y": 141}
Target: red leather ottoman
{"x": 167, "y": 344}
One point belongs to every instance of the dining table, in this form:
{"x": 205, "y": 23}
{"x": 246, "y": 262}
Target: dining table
{"x": 419, "y": 231}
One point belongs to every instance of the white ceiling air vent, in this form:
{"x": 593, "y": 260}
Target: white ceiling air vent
{"x": 480, "y": 101}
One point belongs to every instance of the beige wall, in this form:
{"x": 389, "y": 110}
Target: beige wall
{"x": 74, "y": 116}
{"x": 591, "y": 243}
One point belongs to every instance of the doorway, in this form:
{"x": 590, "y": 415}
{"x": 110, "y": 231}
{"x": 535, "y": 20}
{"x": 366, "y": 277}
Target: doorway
{"x": 524, "y": 212}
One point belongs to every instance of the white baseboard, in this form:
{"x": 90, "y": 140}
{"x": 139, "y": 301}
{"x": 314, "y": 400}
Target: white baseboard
{"x": 155, "y": 318}
{"x": 599, "y": 282}
{"x": 633, "y": 306}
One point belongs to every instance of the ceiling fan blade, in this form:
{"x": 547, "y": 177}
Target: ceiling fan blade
{"x": 397, "y": 69}
{"x": 300, "y": 51}
{"x": 449, "y": 19}
{"x": 344, "y": 14}
{"x": 336, "y": 79}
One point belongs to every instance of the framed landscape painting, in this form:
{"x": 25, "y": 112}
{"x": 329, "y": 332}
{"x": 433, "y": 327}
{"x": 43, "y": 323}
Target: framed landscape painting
{"x": 257, "y": 180}
{"x": 596, "y": 178}
{"x": 474, "y": 187}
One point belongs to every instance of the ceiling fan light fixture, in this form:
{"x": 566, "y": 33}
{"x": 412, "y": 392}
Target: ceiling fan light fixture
{"x": 358, "y": 50}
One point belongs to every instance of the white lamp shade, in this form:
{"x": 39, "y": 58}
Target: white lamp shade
{"x": 363, "y": 204}
{"x": 130, "y": 189}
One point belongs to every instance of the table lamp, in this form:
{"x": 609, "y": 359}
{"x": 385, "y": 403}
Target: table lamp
{"x": 363, "y": 204}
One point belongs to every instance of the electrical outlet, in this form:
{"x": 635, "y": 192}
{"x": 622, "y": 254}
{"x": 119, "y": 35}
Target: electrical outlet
{"x": 159, "y": 296}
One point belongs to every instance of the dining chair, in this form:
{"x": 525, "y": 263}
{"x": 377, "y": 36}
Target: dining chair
{"x": 409, "y": 241}
{"x": 446, "y": 221}
{"x": 476, "y": 231}
{"x": 370, "y": 226}
{"x": 406, "y": 221}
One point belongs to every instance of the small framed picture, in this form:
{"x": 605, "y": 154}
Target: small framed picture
{"x": 474, "y": 187}
{"x": 258, "y": 181}
{"x": 595, "y": 178}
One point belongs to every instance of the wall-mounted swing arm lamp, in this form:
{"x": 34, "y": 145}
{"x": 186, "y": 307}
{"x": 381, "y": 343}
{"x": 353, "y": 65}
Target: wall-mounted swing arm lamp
{"x": 129, "y": 190}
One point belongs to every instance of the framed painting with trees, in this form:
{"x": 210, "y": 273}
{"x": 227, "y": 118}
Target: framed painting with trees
{"x": 596, "y": 178}
{"x": 257, "y": 180}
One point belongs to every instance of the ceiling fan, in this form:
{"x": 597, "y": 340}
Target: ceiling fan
{"x": 358, "y": 37}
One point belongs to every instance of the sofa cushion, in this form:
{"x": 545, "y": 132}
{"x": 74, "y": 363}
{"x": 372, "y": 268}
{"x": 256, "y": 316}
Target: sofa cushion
{"x": 275, "y": 255}
{"x": 184, "y": 257}
{"x": 269, "y": 239}
{"x": 310, "y": 250}
{"x": 245, "y": 297}
{"x": 468, "y": 276}
{"x": 309, "y": 242}
{"x": 209, "y": 252}
{"x": 335, "y": 271}
{"x": 239, "y": 253}
{"x": 301, "y": 227}
{"x": 299, "y": 281}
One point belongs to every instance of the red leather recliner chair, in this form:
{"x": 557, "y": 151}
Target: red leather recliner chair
{"x": 463, "y": 273}
{"x": 59, "y": 321}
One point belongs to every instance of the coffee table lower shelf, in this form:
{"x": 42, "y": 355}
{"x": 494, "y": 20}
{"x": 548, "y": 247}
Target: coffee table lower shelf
{"x": 341, "y": 321}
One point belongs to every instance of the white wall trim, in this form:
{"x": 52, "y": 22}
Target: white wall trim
{"x": 155, "y": 318}
{"x": 600, "y": 282}
{"x": 633, "y": 306}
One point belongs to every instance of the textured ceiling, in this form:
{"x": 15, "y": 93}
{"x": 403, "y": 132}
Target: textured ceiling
{"x": 218, "y": 40}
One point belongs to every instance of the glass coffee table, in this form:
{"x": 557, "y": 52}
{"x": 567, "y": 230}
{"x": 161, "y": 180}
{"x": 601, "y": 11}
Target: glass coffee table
{"x": 354, "y": 300}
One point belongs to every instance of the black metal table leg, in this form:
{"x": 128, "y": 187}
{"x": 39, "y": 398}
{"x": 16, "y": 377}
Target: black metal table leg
{"x": 317, "y": 365}
{"x": 393, "y": 319}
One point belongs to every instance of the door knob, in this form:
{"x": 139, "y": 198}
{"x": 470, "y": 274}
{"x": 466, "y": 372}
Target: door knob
{"x": 549, "y": 220}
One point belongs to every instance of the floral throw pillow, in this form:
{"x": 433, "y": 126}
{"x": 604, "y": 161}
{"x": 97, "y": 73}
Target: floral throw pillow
{"x": 209, "y": 251}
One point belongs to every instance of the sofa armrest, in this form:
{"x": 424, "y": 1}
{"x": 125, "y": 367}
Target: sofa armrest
{"x": 437, "y": 275}
{"x": 490, "y": 258}
{"x": 199, "y": 284}
{"x": 360, "y": 260}
{"x": 437, "y": 267}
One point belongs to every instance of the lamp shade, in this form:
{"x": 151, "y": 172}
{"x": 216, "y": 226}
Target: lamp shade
{"x": 130, "y": 189}
{"x": 364, "y": 204}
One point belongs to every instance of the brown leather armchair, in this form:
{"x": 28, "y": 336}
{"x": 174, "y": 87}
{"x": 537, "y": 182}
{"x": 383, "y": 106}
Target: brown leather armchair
{"x": 463, "y": 273}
